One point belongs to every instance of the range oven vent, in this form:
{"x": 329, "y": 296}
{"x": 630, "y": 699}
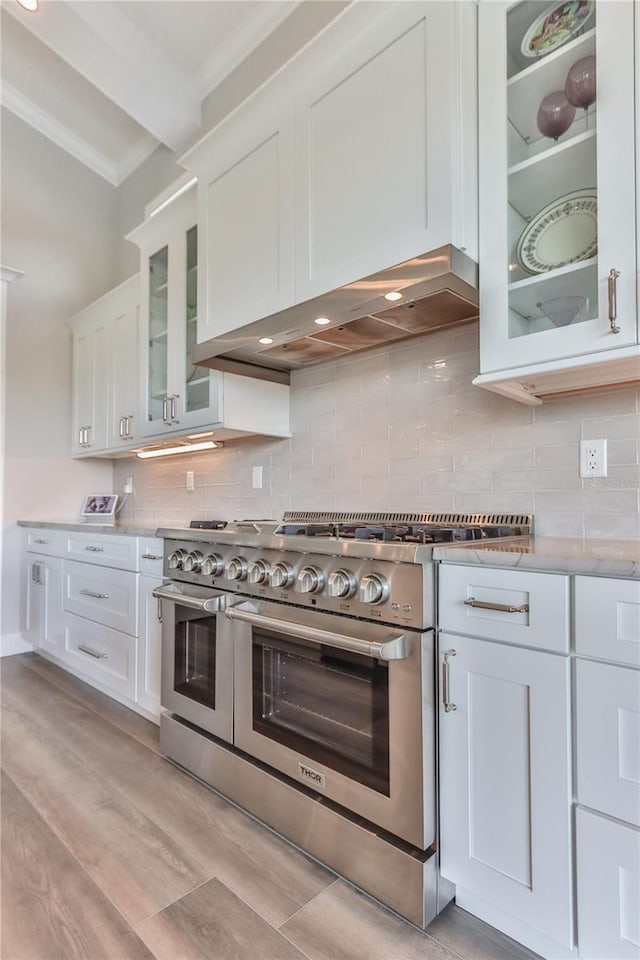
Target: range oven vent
{"x": 522, "y": 520}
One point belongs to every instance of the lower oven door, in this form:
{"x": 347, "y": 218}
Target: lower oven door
{"x": 197, "y": 657}
{"x": 342, "y": 706}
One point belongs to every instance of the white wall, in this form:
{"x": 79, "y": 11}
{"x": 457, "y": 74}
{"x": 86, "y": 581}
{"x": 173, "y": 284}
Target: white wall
{"x": 403, "y": 428}
{"x": 59, "y": 227}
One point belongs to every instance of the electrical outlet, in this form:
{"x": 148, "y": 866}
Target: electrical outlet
{"x": 593, "y": 458}
{"x": 190, "y": 481}
{"x": 128, "y": 485}
{"x": 256, "y": 478}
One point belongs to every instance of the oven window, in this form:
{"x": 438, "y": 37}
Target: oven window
{"x": 195, "y": 657}
{"x": 329, "y": 705}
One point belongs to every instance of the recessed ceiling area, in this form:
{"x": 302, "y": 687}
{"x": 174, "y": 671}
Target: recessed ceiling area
{"x": 110, "y": 80}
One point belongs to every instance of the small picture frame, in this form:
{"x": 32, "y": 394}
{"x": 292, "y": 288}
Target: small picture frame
{"x": 99, "y": 507}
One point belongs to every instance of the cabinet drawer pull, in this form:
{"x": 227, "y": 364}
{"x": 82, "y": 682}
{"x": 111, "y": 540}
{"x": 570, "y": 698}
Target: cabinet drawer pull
{"x": 613, "y": 304}
{"x": 97, "y": 596}
{"x": 501, "y": 607}
{"x": 446, "y": 703}
{"x": 41, "y": 541}
{"x": 93, "y": 653}
{"x": 151, "y": 556}
{"x": 94, "y": 549}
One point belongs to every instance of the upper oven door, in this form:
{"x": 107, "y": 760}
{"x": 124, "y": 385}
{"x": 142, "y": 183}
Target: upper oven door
{"x": 342, "y": 706}
{"x": 197, "y": 657}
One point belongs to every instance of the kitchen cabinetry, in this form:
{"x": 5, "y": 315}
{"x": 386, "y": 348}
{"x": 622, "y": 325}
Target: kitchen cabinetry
{"x": 105, "y": 344}
{"x": 505, "y": 758}
{"x": 558, "y": 299}
{"x": 43, "y": 594}
{"x": 87, "y": 608}
{"x": 608, "y": 767}
{"x": 174, "y": 394}
{"x": 177, "y": 397}
{"x": 362, "y": 150}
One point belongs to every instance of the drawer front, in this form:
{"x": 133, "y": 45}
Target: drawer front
{"x": 51, "y": 543}
{"x": 105, "y": 596}
{"x": 104, "y": 549}
{"x": 608, "y": 739}
{"x": 608, "y": 619}
{"x": 150, "y": 555}
{"x": 608, "y": 859}
{"x": 101, "y": 654}
{"x": 477, "y": 601}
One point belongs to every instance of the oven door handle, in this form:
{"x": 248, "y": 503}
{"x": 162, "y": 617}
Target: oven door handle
{"x": 396, "y": 647}
{"x": 173, "y": 595}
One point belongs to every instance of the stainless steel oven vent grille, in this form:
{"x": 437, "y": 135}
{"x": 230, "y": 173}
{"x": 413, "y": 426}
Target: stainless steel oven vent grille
{"x": 522, "y": 521}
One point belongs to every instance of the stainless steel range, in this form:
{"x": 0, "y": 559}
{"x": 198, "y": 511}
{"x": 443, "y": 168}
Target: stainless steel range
{"x": 298, "y": 679}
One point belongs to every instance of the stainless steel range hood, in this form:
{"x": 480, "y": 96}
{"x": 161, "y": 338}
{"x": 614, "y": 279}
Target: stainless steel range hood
{"x": 438, "y": 288}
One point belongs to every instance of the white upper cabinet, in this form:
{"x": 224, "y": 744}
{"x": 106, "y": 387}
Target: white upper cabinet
{"x": 245, "y": 216}
{"x": 558, "y": 263}
{"x": 359, "y": 154}
{"x": 379, "y": 130}
{"x": 105, "y": 352}
{"x": 174, "y": 395}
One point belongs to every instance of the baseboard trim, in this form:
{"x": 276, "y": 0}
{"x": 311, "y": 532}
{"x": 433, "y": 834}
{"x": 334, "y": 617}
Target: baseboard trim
{"x": 12, "y": 643}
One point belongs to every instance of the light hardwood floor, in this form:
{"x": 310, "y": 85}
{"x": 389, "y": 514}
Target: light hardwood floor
{"x": 109, "y": 851}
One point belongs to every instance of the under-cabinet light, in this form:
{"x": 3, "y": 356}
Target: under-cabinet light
{"x": 200, "y": 436}
{"x": 30, "y": 5}
{"x": 265, "y": 340}
{"x": 182, "y": 448}
{"x": 322, "y": 321}
{"x": 177, "y": 193}
{"x": 394, "y": 295}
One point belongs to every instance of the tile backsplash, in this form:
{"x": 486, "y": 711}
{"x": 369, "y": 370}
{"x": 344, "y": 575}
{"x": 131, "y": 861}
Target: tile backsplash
{"x": 402, "y": 428}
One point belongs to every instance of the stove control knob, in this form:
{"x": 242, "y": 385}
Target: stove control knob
{"x": 212, "y": 565}
{"x": 282, "y": 575}
{"x": 236, "y": 569}
{"x": 374, "y": 589}
{"x": 310, "y": 580}
{"x": 175, "y": 559}
{"x": 192, "y": 562}
{"x": 341, "y": 583}
{"x": 259, "y": 572}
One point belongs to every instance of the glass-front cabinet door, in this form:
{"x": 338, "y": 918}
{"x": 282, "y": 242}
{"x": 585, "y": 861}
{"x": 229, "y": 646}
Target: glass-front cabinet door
{"x": 557, "y": 194}
{"x": 176, "y": 395}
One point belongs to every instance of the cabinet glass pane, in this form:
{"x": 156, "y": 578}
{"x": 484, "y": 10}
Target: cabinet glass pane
{"x": 551, "y": 165}
{"x": 196, "y": 378}
{"x": 158, "y": 326}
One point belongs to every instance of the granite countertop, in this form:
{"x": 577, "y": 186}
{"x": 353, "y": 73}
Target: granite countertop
{"x": 130, "y": 528}
{"x": 602, "y": 558}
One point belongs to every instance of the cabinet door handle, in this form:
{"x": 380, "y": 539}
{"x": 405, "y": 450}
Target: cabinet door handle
{"x": 612, "y": 283}
{"x": 174, "y": 397}
{"x": 41, "y": 541}
{"x": 121, "y": 430}
{"x": 80, "y": 436}
{"x": 93, "y": 653}
{"x": 165, "y": 409}
{"x": 127, "y": 425}
{"x": 151, "y": 556}
{"x": 446, "y": 703}
{"x": 159, "y": 610}
{"x": 96, "y": 596}
{"x": 86, "y": 430}
{"x": 501, "y": 607}
{"x": 93, "y": 549}
{"x": 35, "y": 573}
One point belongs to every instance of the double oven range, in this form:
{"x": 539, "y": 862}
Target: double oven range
{"x": 299, "y": 680}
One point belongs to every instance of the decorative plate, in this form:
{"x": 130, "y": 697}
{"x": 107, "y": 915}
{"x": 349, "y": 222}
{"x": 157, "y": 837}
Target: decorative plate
{"x": 565, "y": 231}
{"x": 559, "y": 23}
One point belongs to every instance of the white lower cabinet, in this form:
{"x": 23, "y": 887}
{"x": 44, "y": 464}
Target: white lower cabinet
{"x": 608, "y": 867}
{"x": 43, "y": 597}
{"x": 150, "y": 627}
{"x": 90, "y": 608}
{"x": 505, "y": 781}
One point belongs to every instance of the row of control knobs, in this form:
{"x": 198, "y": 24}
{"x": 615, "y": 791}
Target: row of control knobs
{"x": 340, "y": 584}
